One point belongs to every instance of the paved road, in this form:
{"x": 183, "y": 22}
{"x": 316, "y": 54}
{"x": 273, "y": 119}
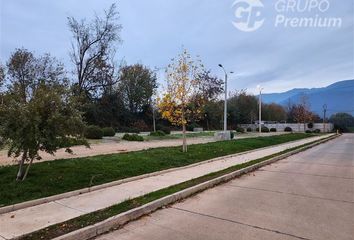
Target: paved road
{"x": 308, "y": 196}
{"x": 17, "y": 223}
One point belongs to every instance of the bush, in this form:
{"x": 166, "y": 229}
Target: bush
{"x": 308, "y": 131}
{"x": 273, "y": 129}
{"x": 265, "y": 130}
{"x": 288, "y": 129}
{"x": 310, "y": 125}
{"x": 191, "y": 126}
{"x": 240, "y": 130}
{"x": 232, "y": 134}
{"x": 108, "y": 132}
{"x": 317, "y": 131}
{"x": 133, "y": 138}
{"x": 249, "y": 129}
{"x": 163, "y": 128}
{"x": 158, "y": 133}
{"x": 93, "y": 132}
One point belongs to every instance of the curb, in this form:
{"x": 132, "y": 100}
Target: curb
{"x": 131, "y": 215}
{"x": 32, "y": 203}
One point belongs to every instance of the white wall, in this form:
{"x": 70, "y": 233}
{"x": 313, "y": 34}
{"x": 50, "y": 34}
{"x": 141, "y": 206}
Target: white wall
{"x": 296, "y": 127}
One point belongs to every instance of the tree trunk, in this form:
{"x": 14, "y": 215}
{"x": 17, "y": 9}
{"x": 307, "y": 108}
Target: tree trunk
{"x": 27, "y": 170}
{"x": 20, "y": 169}
{"x": 184, "y": 139}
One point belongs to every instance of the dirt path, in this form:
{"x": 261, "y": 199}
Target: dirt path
{"x": 106, "y": 148}
{"x": 111, "y": 147}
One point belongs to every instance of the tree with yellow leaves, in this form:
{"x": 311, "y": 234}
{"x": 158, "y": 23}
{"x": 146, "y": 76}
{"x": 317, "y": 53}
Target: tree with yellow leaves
{"x": 178, "y": 104}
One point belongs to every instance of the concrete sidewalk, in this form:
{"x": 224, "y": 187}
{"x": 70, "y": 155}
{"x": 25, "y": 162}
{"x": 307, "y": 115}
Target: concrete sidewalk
{"x": 31, "y": 219}
{"x": 308, "y": 196}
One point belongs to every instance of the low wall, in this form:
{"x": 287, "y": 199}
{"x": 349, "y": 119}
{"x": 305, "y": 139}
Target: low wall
{"x": 296, "y": 127}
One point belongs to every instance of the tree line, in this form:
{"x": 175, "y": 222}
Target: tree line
{"x": 44, "y": 106}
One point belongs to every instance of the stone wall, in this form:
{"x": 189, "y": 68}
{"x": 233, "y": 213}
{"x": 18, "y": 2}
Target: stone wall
{"x": 294, "y": 126}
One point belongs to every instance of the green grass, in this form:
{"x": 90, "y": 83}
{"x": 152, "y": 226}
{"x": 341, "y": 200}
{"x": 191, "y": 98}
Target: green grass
{"x": 55, "y": 177}
{"x": 179, "y": 136}
{"x": 101, "y": 215}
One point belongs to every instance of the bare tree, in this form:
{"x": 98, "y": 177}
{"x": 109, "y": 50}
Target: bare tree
{"x": 302, "y": 113}
{"x": 93, "y": 50}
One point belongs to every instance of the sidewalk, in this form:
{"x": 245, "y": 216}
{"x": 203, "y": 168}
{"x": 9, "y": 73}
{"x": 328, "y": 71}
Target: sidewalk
{"x": 31, "y": 219}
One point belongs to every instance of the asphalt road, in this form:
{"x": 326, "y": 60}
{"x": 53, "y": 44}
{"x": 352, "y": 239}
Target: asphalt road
{"x": 306, "y": 196}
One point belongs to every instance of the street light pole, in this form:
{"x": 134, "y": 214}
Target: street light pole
{"x": 154, "y": 118}
{"x": 260, "y": 109}
{"x": 225, "y": 104}
{"x": 324, "y": 117}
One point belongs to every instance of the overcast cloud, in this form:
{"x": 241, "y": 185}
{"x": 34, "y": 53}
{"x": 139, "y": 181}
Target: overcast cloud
{"x": 155, "y": 30}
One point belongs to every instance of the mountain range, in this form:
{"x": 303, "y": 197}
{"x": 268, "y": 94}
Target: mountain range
{"x": 339, "y": 97}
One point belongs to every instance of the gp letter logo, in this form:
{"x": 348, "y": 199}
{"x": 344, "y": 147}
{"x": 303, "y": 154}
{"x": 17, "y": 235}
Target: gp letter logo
{"x": 248, "y": 15}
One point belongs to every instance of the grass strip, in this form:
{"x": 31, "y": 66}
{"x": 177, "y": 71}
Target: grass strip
{"x": 60, "y": 176}
{"x": 180, "y": 136}
{"x": 101, "y": 215}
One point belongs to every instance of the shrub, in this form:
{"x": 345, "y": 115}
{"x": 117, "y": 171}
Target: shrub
{"x": 232, "y": 134}
{"x": 93, "y": 132}
{"x": 191, "y": 126}
{"x": 288, "y": 129}
{"x": 249, "y": 129}
{"x": 265, "y": 130}
{"x": 133, "y": 137}
{"x": 310, "y": 125}
{"x": 273, "y": 129}
{"x": 158, "y": 133}
{"x": 163, "y": 128}
{"x": 108, "y": 132}
{"x": 317, "y": 131}
{"x": 240, "y": 130}
{"x": 308, "y": 131}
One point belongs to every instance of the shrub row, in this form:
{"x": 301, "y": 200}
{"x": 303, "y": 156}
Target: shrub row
{"x": 158, "y": 133}
{"x": 95, "y": 132}
{"x": 314, "y": 131}
{"x": 133, "y": 137}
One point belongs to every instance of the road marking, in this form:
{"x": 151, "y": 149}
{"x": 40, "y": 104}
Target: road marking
{"x": 241, "y": 223}
{"x": 288, "y": 193}
{"x": 306, "y": 174}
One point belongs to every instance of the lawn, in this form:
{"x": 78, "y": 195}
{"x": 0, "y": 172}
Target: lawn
{"x": 50, "y": 178}
{"x": 179, "y": 136}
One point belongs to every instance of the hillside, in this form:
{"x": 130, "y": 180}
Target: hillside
{"x": 339, "y": 97}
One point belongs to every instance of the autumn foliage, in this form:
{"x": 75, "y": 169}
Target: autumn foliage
{"x": 179, "y": 103}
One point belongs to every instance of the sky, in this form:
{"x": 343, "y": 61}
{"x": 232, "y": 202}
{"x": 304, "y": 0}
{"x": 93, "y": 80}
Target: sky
{"x": 278, "y": 58}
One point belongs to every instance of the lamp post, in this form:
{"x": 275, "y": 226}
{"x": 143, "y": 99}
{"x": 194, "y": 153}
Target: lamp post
{"x": 324, "y": 117}
{"x": 153, "y": 118}
{"x": 260, "y": 109}
{"x": 225, "y": 104}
